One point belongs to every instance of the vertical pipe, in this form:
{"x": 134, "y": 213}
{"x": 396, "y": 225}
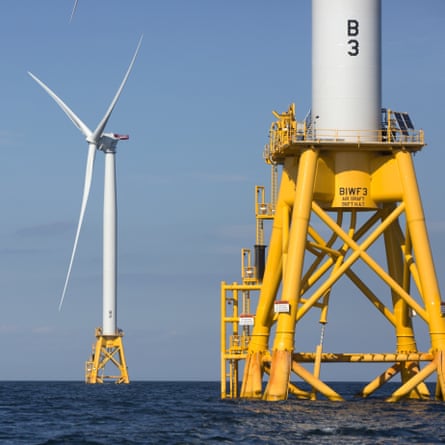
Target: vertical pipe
{"x": 223, "y": 340}
{"x": 417, "y": 228}
{"x": 109, "y": 324}
{"x": 277, "y": 387}
{"x": 260, "y": 261}
{"x": 404, "y": 329}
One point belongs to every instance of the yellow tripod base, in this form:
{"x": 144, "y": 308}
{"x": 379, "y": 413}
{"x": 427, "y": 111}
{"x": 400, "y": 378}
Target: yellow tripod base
{"x": 108, "y": 350}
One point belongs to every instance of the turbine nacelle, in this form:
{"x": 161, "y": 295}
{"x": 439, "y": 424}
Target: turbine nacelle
{"x": 108, "y": 141}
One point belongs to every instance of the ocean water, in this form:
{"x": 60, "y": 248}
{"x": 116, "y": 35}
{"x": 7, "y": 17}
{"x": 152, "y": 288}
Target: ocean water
{"x": 193, "y": 413}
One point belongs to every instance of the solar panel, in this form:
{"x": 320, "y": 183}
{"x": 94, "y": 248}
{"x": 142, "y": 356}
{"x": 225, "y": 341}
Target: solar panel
{"x": 401, "y": 122}
{"x": 408, "y": 121}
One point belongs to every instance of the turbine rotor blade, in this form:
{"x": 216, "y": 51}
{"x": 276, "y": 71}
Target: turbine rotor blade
{"x": 86, "y": 191}
{"x": 100, "y": 128}
{"x": 74, "y": 10}
{"x": 66, "y": 109}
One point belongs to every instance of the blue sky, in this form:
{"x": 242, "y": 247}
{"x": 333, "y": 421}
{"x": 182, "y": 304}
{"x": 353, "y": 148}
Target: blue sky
{"x": 198, "y": 108}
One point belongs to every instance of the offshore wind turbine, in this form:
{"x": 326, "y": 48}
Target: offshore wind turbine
{"x": 109, "y": 347}
{"x": 348, "y": 192}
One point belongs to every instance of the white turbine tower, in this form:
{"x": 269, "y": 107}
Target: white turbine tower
{"x": 109, "y": 337}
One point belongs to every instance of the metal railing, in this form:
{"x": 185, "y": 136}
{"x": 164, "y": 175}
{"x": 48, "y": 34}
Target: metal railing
{"x": 282, "y": 137}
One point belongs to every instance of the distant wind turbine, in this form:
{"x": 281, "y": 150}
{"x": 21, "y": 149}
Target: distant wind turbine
{"x": 106, "y": 142}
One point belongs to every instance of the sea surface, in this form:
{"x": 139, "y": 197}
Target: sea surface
{"x": 193, "y": 413}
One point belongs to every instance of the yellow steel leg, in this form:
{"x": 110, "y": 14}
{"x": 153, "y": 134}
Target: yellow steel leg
{"x": 277, "y": 388}
{"x": 252, "y": 386}
{"x": 109, "y": 349}
{"x": 404, "y": 330}
{"x": 253, "y": 370}
{"x": 421, "y": 245}
{"x": 403, "y": 326}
